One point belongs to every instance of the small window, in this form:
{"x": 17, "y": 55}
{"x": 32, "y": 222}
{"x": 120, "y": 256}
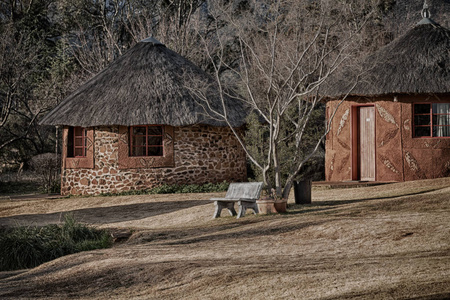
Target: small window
{"x": 432, "y": 120}
{"x": 77, "y": 145}
{"x": 146, "y": 140}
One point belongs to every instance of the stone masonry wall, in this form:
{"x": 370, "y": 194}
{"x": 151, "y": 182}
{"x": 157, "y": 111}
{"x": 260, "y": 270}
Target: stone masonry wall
{"x": 202, "y": 154}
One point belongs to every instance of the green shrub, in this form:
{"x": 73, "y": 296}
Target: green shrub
{"x": 189, "y": 188}
{"x": 176, "y": 189}
{"x": 26, "y": 247}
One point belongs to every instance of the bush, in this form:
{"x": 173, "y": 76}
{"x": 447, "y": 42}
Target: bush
{"x": 47, "y": 168}
{"x": 176, "y": 189}
{"x": 27, "y": 247}
{"x": 190, "y": 188}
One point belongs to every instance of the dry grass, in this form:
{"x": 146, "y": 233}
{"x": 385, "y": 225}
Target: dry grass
{"x": 382, "y": 242}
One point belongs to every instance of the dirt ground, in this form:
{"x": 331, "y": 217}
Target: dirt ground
{"x": 383, "y": 242}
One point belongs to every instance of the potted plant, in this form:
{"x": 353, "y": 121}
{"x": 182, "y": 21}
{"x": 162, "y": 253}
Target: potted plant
{"x": 280, "y": 203}
{"x": 271, "y": 203}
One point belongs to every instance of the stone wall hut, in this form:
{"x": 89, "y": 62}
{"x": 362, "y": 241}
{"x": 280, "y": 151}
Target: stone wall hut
{"x": 395, "y": 123}
{"x": 135, "y": 126}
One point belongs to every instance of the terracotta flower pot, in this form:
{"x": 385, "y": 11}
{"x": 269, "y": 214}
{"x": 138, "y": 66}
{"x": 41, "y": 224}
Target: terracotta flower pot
{"x": 280, "y": 205}
{"x": 266, "y": 206}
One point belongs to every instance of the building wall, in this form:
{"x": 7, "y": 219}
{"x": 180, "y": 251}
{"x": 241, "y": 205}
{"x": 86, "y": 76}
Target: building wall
{"x": 201, "y": 154}
{"x": 399, "y": 156}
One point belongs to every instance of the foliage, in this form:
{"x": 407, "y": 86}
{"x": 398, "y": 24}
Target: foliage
{"x": 176, "y": 189}
{"x": 50, "y": 47}
{"x": 256, "y": 135}
{"x": 283, "y": 58}
{"x": 27, "y": 48}
{"x": 18, "y": 187}
{"x": 27, "y": 247}
{"x": 47, "y": 166}
{"x": 190, "y": 188}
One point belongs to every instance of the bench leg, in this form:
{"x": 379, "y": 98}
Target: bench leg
{"x": 217, "y": 211}
{"x": 241, "y": 212}
{"x": 231, "y": 209}
{"x": 243, "y": 207}
{"x": 221, "y": 205}
{"x": 255, "y": 208}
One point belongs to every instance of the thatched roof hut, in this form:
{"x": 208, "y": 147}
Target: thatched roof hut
{"x": 139, "y": 123}
{"x": 415, "y": 63}
{"x": 395, "y": 123}
{"x": 146, "y": 85}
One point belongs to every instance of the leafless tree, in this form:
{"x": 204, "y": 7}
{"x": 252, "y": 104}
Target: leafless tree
{"x": 287, "y": 49}
{"x": 17, "y": 57}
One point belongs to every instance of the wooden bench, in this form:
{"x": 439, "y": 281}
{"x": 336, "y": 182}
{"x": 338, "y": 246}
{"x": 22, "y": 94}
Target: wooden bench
{"x": 245, "y": 194}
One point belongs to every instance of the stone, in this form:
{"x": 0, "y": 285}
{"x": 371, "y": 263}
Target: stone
{"x": 192, "y": 164}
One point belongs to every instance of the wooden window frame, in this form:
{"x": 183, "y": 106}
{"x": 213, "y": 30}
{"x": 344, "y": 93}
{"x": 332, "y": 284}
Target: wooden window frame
{"x": 78, "y": 162}
{"x": 126, "y": 161}
{"x": 147, "y": 137}
{"x": 83, "y": 138}
{"x": 431, "y": 125}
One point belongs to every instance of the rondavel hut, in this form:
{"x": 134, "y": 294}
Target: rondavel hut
{"x": 135, "y": 125}
{"x": 395, "y": 123}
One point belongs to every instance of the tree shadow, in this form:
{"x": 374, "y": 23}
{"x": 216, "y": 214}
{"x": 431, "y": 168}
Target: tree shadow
{"x": 103, "y": 215}
{"x": 249, "y": 229}
{"x": 321, "y": 206}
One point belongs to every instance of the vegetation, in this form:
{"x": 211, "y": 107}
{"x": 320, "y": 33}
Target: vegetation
{"x": 176, "y": 189}
{"x": 46, "y": 167}
{"x": 50, "y": 47}
{"x": 19, "y": 187}
{"x": 282, "y": 59}
{"x": 27, "y": 247}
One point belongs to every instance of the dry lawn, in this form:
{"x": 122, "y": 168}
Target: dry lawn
{"x": 383, "y": 242}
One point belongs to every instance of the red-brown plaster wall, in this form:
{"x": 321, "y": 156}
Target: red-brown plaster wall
{"x": 201, "y": 154}
{"x": 399, "y": 156}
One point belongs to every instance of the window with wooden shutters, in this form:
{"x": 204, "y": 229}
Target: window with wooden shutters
{"x": 146, "y": 146}
{"x": 77, "y": 142}
{"x": 78, "y": 150}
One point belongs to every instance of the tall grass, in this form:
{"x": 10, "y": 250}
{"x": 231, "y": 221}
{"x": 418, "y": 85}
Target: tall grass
{"x": 27, "y": 247}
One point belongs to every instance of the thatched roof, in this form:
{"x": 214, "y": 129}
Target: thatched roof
{"x": 417, "y": 62}
{"x": 146, "y": 85}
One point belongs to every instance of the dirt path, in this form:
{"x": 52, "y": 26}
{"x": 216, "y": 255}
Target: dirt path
{"x": 385, "y": 242}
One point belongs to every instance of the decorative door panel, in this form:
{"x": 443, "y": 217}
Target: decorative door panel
{"x": 366, "y": 147}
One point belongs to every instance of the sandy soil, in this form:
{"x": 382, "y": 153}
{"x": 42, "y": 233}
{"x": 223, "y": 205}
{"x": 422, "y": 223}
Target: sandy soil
{"x": 382, "y": 242}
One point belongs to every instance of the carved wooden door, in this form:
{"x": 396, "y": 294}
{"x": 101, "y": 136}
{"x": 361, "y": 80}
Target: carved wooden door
{"x": 367, "y": 143}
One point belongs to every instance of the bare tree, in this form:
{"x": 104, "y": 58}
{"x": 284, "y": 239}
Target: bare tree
{"x": 287, "y": 49}
{"x": 17, "y": 62}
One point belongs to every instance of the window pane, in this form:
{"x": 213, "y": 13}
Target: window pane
{"x": 422, "y": 120}
{"x": 139, "y": 130}
{"x": 422, "y": 131}
{"x": 155, "y": 151}
{"x": 79, "y": 152}
{"x": 441, "y": 108}
{"x": 138, "y": 151}
{"x": 441, "y": 131}
{"x": 154, "y": 141}
{"x": 78, "y": 141}
{"x": 80, "y": 131}
{"x": 441, "y": 119}
{"x": 155, "y": 130}
{"x": 139, "y": 140}
{"x": 421, "y": 108}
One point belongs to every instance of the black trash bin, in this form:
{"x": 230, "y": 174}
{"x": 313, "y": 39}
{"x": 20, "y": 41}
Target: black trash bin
{"x": 302, "y": 191}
